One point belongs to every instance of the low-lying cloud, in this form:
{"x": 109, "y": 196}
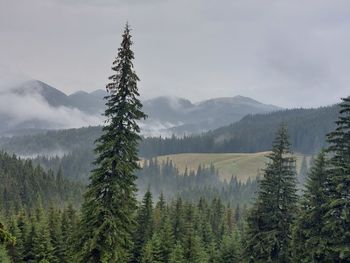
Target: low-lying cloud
{"x": 30, "y": 110}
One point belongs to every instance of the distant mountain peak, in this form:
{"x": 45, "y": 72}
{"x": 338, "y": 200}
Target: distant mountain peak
{"x": 167, "y": 114}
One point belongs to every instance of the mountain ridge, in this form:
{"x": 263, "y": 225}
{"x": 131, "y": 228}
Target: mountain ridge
{"x": 167, "y": 115}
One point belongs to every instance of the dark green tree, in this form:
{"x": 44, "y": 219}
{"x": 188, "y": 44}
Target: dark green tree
{"x": 337, "y": 227}
{"x": 144, "y": 229}
{"x": 309, "y": 241}
{"x": 16, "y": 250}
{"x": 229, "y": 250}
{"x": 55, "y": 228}
{"x": 68, "y": 229}
{"x": 166, "y": 237}
{"x": 177, "y": 255}
{"x": 5, "y": 239}
{"x": 269, "y": 223}
{"x": 107, "y": 213}
{"x": 152, "y": 251}
{"x": 42, "y": 248}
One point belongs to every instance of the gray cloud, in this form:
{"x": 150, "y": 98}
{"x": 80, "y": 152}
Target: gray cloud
{"x": 31, "y": 110}
{"x": 289, "y": 52}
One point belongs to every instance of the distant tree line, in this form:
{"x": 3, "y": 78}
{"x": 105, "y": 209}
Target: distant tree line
{"x": 25, "y": 185}
{"x": 165, "y": 178}
{"x": 254, "y": 133}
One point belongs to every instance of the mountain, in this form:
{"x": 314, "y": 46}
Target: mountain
{"x": 180, "y": 116}
{"x": 34, "y": 106}
{"x": 253, "y": 133}
{"x": 43, "y": 107}
{"x": 91, "y": 103}
{"x": 52, "y": 96}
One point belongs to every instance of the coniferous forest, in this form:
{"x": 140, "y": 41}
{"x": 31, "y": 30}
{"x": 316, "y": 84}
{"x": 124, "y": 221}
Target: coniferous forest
{"x": 133, "y": 210}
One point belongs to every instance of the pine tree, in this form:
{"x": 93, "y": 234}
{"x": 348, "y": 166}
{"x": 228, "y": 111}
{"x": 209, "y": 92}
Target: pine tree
{"x": 194, "y": 251}
{"x": 337, "y": 207}
{"x": 166, "y": 237}
{"x": 178, "y": 220}
{"x": 42, "y": 248}
{"x": 229, "y": 250}
{"x": 55, "y": 229}
{"x": 107, "y": 213}
{"x": 152, "y": 251}
{"x": 308, "y": 240}
{"x": 5, "y": 239}
{"x": 16, "y": 250}
{"x": 177, "y": 255}
{"x": 144, "y": 229}
{"x": 5, "y": 236}
{"x": 68, "y": 229}
{"x": 269, "y": 223}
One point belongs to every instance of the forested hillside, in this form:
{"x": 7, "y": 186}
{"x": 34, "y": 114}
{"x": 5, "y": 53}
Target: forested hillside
{"x": 25, "y": 185}
{"x": 254, "y": 133}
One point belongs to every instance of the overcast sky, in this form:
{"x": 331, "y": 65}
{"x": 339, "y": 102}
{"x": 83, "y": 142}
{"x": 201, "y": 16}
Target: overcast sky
{"x": 288, "y": 53}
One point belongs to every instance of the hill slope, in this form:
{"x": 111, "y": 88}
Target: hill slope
{"x": 34, "y": 106}
{"x": 242, "y": 165}
{"x": 254, "y": 133}
{"x": 180, "y": 116}
{"x": 23, "y": 185}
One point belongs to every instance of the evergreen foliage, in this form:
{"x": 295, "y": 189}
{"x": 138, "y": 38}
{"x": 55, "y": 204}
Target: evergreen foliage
{"x": 309, "y": 241}
{"x": 25, "y": 186}
{"x": 107, "y": 213}
{"x": 337, "y": 218}
{"x": 144, "y": 229}
{"x": 270, "y": 220}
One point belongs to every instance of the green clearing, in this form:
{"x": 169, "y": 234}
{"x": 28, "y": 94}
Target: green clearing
{"x": 242, "y": 165}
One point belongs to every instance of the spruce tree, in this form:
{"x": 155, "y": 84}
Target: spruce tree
{"x": 68, "y": 229}
{"x": 5, "y": 239}
{"x": 107, "y": 213}
{"x": 42, "y": 248}
{"x": 177, "y": 255}
{"x": 337, "y": 219}
{"x": 228, "y": 250}
{"x": 166, "y": 237}
{"x": 152, "y": 252}
{"x": 269, "y": 223}
{"x": 308, "y": 240}
{"x": 144, "y": 229}
{"x": 57, "y": 241}
{"x": 16, "y": 250}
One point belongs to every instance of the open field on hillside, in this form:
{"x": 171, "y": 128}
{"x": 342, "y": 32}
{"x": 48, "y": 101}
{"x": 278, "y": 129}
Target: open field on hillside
{"x": 242, "y": 165}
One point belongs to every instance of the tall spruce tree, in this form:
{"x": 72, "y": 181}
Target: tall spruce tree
{"x": 309, "y": 241}
{"x": 107, "y": 213}
{"x": 269, "y": 222}
{"x": 337, "y": 219}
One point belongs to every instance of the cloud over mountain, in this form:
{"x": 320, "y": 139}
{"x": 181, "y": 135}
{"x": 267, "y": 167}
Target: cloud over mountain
{"x": 33, "y": 105}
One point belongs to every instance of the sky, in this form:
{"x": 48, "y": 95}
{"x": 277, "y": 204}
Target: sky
{"x": 290, "y": 53}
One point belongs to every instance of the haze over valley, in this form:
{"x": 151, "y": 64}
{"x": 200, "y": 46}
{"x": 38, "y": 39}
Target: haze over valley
{"x": 174, "y": 131}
